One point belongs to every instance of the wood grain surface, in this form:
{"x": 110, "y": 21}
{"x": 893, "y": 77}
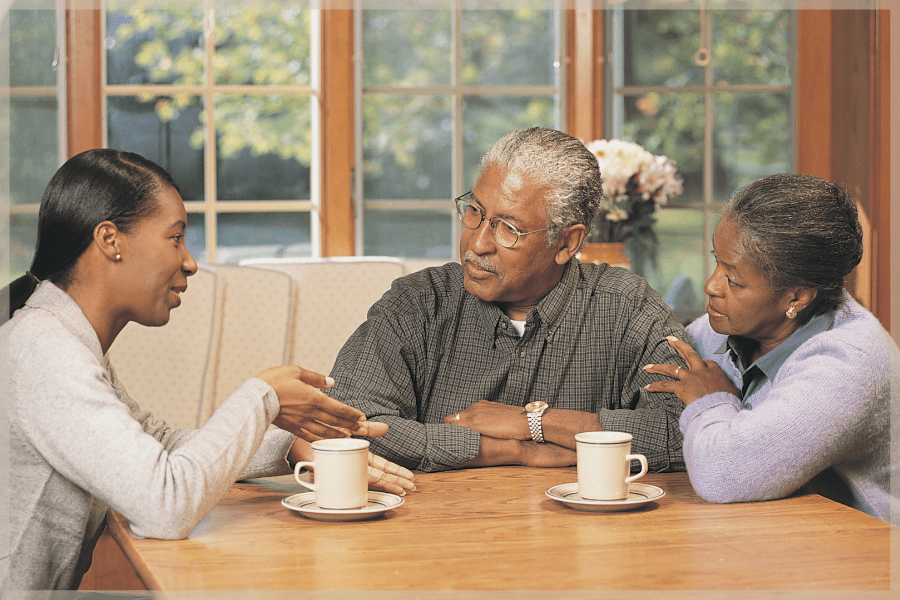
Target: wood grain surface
{"x": 495, "y": 529}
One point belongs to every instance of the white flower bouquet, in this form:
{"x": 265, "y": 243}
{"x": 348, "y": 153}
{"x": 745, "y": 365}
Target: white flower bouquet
{"x": 635, "y": 184}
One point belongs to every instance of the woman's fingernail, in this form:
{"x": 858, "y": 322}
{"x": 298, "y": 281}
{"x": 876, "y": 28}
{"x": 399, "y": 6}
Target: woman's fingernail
{"x": 647, "y": 387}
{"x": 648, "y": 367}
{"x": 671, "y": 338}
{"x": 329, "y": 380}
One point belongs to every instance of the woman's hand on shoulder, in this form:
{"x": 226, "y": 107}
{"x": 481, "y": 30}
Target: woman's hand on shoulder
{"x": 699, "y": 378}
{"x": 310, "y": 414}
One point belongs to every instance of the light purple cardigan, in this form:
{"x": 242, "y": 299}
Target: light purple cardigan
{"x": 829, "y": 405}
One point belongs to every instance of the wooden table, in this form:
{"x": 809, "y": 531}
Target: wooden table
{"x": 495, "y": 529}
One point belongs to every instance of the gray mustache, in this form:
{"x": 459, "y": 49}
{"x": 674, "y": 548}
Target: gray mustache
{"x": 480, "y": 262}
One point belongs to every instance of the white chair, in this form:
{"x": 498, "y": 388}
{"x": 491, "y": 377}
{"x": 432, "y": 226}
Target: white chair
{"x": 255, "y": 328}
{"x": 333, "y": 296}
{"x": 411, "y": 265}
{"x": 171, "y": 370}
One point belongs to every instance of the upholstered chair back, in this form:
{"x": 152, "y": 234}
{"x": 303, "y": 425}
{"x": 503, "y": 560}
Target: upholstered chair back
{"x": 256, "y": 327}
{"x": 171, "y": 370}
{"x": 333, "y": 296}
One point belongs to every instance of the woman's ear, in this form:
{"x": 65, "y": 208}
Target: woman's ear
{"x": 107, "y": 238}
{"x": 570, "y": 239}
{"x": 801, "y": 297}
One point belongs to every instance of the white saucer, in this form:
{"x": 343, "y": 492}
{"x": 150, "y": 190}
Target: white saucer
{"x": 638, "y": 494}
{"x": 305, "y": 504}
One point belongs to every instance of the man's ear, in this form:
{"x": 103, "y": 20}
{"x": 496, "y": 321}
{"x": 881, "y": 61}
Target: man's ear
{"x": 570, "y": 240}
{"x": 108, "y": 240}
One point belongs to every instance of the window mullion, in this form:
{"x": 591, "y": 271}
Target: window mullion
{"x": 84, "y": 76}
{"x": 709, "y": 123}
{"x": 209, "y": 147}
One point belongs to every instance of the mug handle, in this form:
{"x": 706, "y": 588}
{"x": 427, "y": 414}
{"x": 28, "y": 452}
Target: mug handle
{"x": 307, "y": 484}
{"x": 643, "y": 461}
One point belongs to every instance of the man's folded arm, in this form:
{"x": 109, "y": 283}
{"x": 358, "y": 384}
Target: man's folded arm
{"x": 652, "y": 418}
{"x": 425, "y": 447}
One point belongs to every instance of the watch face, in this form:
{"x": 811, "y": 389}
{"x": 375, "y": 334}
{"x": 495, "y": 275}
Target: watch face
{"x": 537, "y": 406}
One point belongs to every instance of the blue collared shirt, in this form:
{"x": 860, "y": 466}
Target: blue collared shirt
{"x": 764, "y": 368}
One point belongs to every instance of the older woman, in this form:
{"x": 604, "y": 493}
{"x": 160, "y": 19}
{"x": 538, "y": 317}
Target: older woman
{"x": 111, "y": 250}
{"x": 791, "y": 384}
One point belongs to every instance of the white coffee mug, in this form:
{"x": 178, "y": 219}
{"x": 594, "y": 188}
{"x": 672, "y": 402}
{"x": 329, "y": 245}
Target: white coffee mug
{"x": 604, "y": 464}
{"x": 341, "y": 478}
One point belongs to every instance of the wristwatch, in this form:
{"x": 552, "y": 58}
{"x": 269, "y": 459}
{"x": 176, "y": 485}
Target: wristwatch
{"x": 535, "y": 411}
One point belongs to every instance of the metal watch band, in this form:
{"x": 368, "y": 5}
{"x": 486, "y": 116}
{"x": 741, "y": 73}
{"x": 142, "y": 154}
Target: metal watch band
{"x": 534, "y": 425}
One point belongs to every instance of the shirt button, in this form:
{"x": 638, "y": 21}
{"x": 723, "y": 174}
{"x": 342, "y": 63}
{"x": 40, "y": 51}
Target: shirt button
{"x": 521, "y": 354}
{"x": 503, "y": 324}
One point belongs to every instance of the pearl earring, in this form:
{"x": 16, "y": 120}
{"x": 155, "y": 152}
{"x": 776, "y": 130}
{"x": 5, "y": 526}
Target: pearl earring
{"x": 118, "y": 257}
{"x": 791, "y": 312}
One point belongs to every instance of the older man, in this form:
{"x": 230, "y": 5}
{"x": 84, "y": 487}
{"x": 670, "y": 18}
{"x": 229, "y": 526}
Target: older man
{"x": 503, "y": 358}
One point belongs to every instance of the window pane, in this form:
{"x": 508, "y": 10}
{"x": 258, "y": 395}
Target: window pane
{"x": 659, "y": 48}
{"x": 34, "y": 150}
{"x": 751, "y": 46}
{"x": 679, "y": 272}
{"x": 263, "y": 147}
{"x": 671, "y": 125}
{"x": 493, "y": 52}
{"x": 420, "y": 146}
{"x": 488, "y": 118}
{"x": 195, "y": 237}
{"x": 153, "y": 46}
{"x": 22, "y": 237}
{"x": 164, "y": 129}
{"x": 411, "y": 234}
{"x": 262, "y": 47}
{"x": 752, "y": 139}
{"x": 406, "y": 47}
{"x": 32, "y": 42}
{"x": 262, "y": 235}
{"x": 407, "y": 146}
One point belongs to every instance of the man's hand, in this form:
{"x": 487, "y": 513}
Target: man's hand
{"x": 383, "y": 474}
{"x": 547, "y": 455}
{"x": 493, "y": 419}
{"x": 389, "y": 477}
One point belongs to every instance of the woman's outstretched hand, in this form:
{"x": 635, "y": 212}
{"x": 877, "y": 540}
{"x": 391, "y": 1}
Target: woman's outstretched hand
{"x": 701, "y": 377}
{"x": 308, "y": 413}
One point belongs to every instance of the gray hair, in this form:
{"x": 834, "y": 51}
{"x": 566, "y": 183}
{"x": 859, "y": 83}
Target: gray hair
{"x": 557, "y": 162}
{"x": 800, "y": 231}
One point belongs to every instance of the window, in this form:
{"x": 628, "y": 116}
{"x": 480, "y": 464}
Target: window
{"x": 35, "y": 78}
{"x": 436, "y": 89}
{"x": 224, "y": 99}
{"x": 713, "y": 90}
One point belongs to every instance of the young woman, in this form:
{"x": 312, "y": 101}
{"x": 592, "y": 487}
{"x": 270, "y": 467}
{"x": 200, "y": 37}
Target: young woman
{"x": 111, "y": 250}
{"x": 793, "y": 381}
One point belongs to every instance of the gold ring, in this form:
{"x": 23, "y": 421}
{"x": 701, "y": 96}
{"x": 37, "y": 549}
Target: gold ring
{"x": 677, "y": 369}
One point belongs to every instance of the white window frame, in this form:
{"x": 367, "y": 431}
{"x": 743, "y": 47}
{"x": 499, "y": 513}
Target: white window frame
{"x": 616, "y": 91}
{"x": 457, "y": 91}
{"x": 211, "y": 207}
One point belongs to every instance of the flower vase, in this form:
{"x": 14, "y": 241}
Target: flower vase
{"x": 611, "y": 253}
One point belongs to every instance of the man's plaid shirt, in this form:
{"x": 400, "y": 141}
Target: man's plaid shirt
{"x": 429, "y": 349}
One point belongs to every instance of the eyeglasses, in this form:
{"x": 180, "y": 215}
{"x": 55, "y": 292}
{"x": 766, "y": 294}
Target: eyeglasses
{"x": 471, "y": 216}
